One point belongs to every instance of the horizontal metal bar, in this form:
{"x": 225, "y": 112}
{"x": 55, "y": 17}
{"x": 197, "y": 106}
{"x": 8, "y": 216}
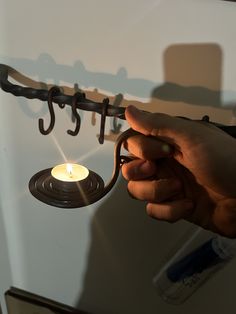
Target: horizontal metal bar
{"x": 60, "y": 99}
{"x": 82, "y": 102}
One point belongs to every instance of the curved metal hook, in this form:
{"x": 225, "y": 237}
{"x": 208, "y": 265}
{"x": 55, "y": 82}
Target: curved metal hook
{"x": 76, "y": 97}
{"x": 117, "y": 126}
{"x": 119, "y": 159}
{"x": 53, "y": 91}
{"x": 103, "y": 120}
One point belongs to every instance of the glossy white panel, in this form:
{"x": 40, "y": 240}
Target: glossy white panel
{"x": 102, "y": 257}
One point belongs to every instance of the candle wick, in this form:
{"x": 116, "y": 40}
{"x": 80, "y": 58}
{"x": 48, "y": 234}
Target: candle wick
{"x": 69, "y": 170}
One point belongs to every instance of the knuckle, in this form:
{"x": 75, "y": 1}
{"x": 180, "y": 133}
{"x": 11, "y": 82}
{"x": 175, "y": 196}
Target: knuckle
{"x": 130, "y": 192}
{"x": 144, "y": 152}
{"x": 156, "y": 194}
{"x": 125, "y": 171}
{"x": 140, "y": 146}
{"x": 141, "y": 151}
{"x": 155, "y": 191}
{"x": 150, "y": 211}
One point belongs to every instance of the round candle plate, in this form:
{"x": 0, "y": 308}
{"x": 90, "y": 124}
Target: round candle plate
{"x": 57, "y": 193}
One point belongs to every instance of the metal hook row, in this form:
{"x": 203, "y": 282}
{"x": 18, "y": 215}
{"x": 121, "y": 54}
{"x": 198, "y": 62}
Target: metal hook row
{"x": 56, "y": 97}
{"x": 77, "y": 97}
{"x": 78, "y": 101}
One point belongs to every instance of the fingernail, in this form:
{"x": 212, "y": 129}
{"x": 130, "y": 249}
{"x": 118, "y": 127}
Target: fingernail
{"x": 140, "y": 168}
{"x": 146, "y": 168}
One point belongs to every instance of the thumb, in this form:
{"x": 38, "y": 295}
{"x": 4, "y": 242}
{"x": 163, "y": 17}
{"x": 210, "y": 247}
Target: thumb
{"x": 155, "y": 124}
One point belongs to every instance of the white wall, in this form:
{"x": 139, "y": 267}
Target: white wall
{"x": 102, "y": 258}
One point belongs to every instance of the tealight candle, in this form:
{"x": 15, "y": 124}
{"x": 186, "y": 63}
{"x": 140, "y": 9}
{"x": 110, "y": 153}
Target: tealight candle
{"x": 70, "y": 172}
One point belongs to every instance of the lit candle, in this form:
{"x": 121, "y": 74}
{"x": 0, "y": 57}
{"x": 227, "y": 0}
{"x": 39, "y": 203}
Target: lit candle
{"x": 70, "y": 172}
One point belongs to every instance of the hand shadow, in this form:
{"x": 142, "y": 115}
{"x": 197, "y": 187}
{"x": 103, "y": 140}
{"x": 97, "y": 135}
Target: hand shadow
{"x": 192, "y": 74}
{"x": 126, "y": 248}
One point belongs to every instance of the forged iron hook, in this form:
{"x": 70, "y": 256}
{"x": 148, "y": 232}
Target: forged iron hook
{"x": 103, "y": 120}
{"x": 52, "y": 92}
{"x": 81, "y": 96}
{"x": 117, "y": 126}
{"x": 75, "y": 114}
{"x": 61, "y": 105}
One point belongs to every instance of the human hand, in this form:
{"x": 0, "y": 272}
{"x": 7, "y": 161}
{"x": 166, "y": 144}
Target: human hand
{"x": 183, "y": 170}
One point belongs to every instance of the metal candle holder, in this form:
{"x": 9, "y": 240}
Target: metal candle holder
{"x": 57, "y": 193}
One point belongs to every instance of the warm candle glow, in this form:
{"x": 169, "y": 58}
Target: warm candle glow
{"x": 70, "y": 172}
{"x": 69, "y": 169}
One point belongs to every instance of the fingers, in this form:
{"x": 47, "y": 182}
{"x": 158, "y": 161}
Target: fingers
{"x": 161, "y": 134}
{"x": 171, "y": 211}
{"x": 155, "y": 191}
{"x": 138, "y": 169}
{"x": 145, "y": 147}
{"x": 157, "y": 124}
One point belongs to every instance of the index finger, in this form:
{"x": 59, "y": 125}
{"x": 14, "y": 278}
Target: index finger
{"x": 147, "y": 147}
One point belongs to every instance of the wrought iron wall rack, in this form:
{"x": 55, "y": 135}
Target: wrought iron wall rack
{"x": 76, "y": 101}
{"x": 55, "y": 95}
{"x": 58, "y": 193}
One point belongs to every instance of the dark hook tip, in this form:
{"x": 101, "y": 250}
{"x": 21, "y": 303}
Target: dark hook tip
{"x": 101, "y": 139}
{"x": 41, "y": 128}
{"x": 72, "y": 133}
{"x": 206, "y": 118}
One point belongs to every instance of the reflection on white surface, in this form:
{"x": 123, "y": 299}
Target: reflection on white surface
{"x": 141, "y": 12}
{"x": 58, "y": 146}
{"x": 92, "y": 152}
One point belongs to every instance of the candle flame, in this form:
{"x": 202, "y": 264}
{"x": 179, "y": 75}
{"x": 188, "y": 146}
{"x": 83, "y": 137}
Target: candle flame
{"x": 70, "y": 172}
{"x": 69, "y": 169}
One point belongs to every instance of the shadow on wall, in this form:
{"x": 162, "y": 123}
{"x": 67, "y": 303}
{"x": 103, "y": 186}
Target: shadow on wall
{"x": 126, "y": 249}
{"x": 45, "y": 68}
{"x": 127, "y": 246}
{"x": 192, "y": 75}
{"x": 192, "y": 85}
